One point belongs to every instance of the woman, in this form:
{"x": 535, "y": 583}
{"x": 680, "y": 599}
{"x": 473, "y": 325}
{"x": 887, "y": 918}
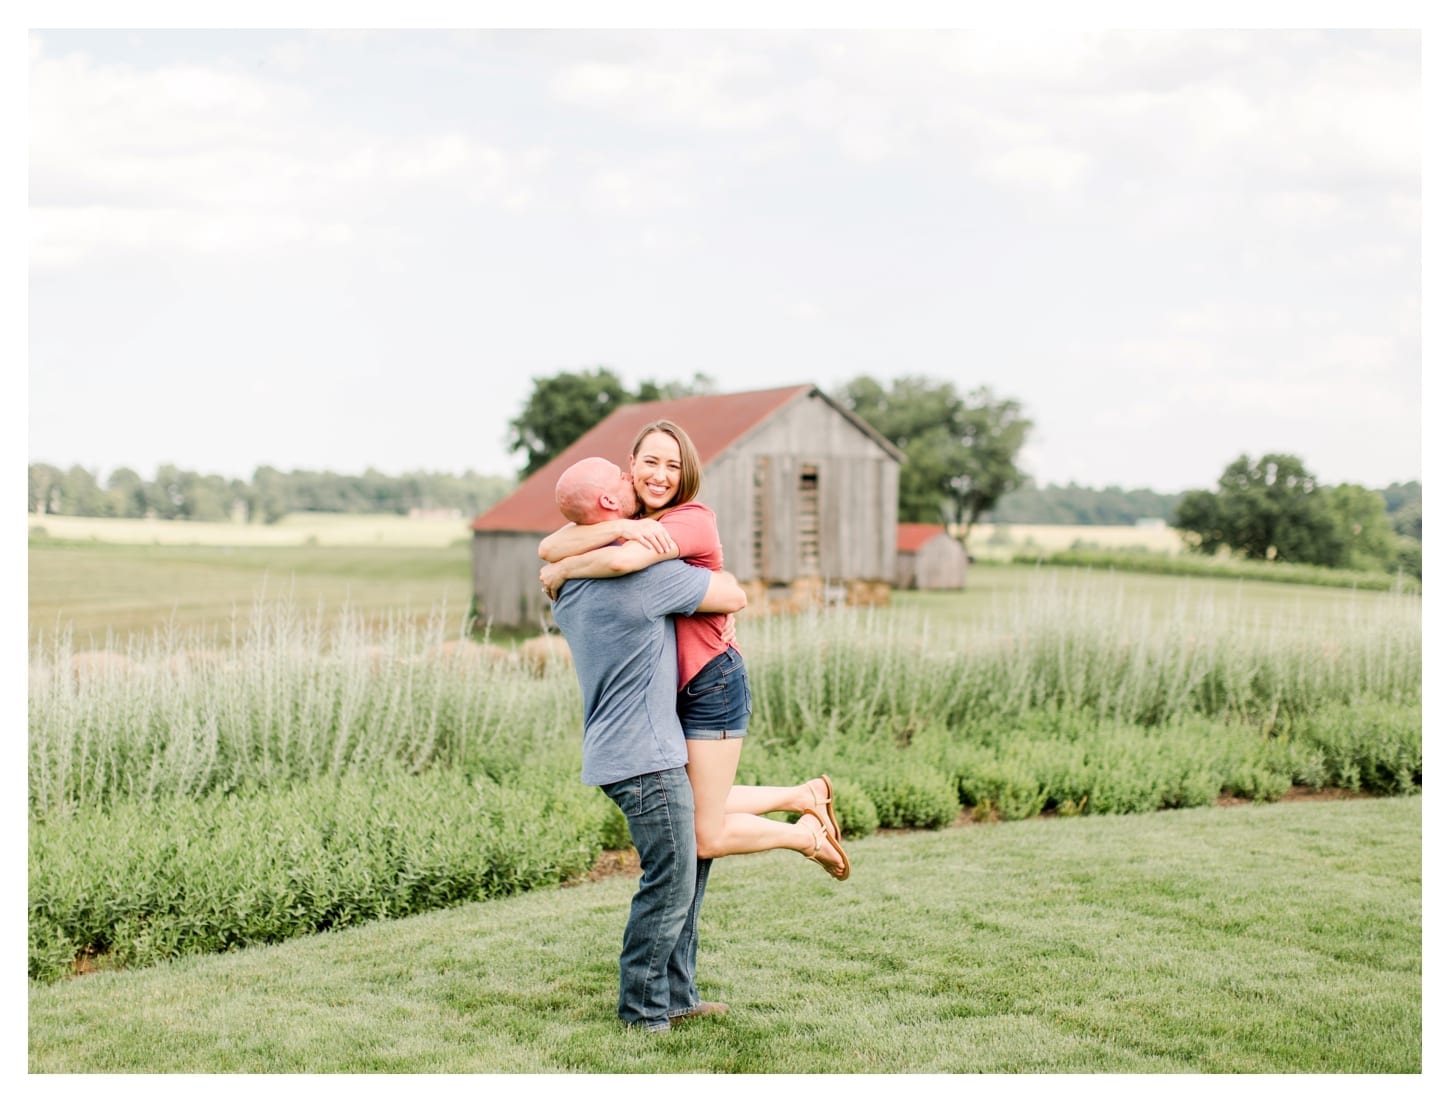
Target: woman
{"x": 714, "y": 691}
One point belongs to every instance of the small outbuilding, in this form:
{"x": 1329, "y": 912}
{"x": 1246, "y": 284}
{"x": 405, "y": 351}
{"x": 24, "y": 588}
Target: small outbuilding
{"x": 804, "y": 492}
{"x": 927, "y": 557}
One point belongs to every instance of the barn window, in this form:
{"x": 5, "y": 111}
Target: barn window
{"x": 808, "y": 518}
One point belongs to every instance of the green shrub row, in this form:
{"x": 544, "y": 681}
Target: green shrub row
{"x": 138, "y": 883}
{"x": 1200, "y": 566}
{"x": 1068, "y": 764}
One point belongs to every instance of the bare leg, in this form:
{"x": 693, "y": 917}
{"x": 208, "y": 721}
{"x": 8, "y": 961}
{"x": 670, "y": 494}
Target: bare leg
{"x": 757, "y": 799}
{"x": 721, "y": 829}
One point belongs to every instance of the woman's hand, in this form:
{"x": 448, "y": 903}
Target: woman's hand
{"x": 727, "y": 631}
{"x": 552, "y": 577}
{"x": 651, "y": 533}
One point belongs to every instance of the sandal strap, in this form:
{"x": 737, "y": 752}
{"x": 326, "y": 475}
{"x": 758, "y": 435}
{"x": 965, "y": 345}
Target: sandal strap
{"x": 819, "y": 832}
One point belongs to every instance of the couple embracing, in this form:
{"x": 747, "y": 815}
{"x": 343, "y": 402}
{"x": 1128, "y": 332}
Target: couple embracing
{"x": 642, "y": 598}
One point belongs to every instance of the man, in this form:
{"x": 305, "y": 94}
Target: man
{"x": 622, "y": 638}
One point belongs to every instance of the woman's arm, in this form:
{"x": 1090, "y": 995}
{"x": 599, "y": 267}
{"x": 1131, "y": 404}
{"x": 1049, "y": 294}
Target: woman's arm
{"x": 603, "y": 562}
{"x": 575, "y": 539}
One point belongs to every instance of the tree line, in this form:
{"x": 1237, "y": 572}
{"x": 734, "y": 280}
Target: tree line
{"x": 270, "y": 494}
{"x": 960, "y": 467}
{"x": 1274, "y": 508}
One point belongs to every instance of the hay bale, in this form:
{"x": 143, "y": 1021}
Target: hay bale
{"x": 101, "y": 665}
{"x": 469, "y": 653}
{"x": 544, "y": 653}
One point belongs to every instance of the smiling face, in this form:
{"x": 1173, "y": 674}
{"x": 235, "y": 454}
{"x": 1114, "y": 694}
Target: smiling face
{"x": 655, "y": 467}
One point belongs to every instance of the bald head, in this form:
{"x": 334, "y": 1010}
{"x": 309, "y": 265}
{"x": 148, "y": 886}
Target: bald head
{"x": 593, "y": 490}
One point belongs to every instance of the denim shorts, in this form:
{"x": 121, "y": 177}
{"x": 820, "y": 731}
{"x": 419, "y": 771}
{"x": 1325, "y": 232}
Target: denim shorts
{"x": 716, "y": 702}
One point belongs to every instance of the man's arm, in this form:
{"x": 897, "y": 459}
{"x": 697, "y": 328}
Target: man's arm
{"x": 575, "y": 539}
{"x": 604, "y": 562}
{"x": 724, "y": 594}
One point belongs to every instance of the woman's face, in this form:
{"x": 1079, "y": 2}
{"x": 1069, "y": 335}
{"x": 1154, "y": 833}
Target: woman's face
{"x": 655, "y": 468}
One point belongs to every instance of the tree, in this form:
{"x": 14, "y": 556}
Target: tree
{"x": 79, "y": 494}
{"x": 651, "y": 391}
{"x": 960, "y": 453}
{"x": 993, "y": 433}
{"x": 1364, "y": 536}
{"x": 1274, "y": 508}
{"x": 127, "y": 493}
{"x": 561, "y": 409}
{"x": 45, "y": 483}
{"x": 565, "y": 406}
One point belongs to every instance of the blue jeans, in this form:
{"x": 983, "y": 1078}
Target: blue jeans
{"x": 657, "y": 963}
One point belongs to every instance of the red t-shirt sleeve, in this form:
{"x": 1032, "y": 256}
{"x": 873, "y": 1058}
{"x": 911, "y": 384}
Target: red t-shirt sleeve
{"x": 692, "y": 527}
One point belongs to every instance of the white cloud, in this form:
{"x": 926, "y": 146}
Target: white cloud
{"x": 640, "y": 189}
{"x": 704, "y": 88}
{"x": 61, "y": 236}
{"x": 208, "y": 160}
{"x": 1051, "y": 168}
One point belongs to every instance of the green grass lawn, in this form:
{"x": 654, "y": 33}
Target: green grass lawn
{"x": 1259, "y": 939}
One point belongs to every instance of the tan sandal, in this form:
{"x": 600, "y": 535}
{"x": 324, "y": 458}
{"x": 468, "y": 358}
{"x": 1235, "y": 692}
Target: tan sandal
{"x": 830, "y": 804}
{"x": 823, "y": 835}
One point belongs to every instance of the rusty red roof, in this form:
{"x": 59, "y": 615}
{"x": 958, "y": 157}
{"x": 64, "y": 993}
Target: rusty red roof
{"x": 913, "y": 537}
{"x": 714, "y": 422}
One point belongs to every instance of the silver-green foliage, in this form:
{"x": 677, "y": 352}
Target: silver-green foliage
{"x": 1074, "y": 644}
{"x": 280, "y": 699}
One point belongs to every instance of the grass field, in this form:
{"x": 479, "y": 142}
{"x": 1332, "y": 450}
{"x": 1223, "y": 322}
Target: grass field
{"x": 351, "y": 530}
{"x": 1001, "y": 541}
{"x": 98, "y": 576}
{"x": 1264, "y": 939}
{"x": 295, "y": 530}
{"x": 1253, "y": 939}
{"x": 129, "y": 590}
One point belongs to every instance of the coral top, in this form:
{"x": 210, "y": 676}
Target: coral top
{"x": 692, "y": 527}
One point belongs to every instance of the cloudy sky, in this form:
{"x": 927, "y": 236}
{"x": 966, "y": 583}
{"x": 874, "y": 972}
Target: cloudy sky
{"x": 341, "y": 250}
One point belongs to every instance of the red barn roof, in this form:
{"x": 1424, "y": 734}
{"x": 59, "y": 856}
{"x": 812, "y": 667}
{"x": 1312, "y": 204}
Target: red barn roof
{"x": 714, "y": 422}
{"x": 913, "y": 537}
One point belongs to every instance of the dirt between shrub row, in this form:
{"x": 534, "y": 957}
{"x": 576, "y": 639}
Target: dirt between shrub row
{"x": 625, "y": 862}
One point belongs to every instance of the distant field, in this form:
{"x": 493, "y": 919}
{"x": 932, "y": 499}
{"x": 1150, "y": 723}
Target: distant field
{"x": 296, "y": 530}
{"x": 100, "y": 588}
{"x": 989, "y": 541}
{"x": 1000, "y": 541}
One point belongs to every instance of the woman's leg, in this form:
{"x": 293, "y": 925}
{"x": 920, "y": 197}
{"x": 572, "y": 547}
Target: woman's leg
{"x": 721, "y": 831}
{"x": 757, "y": 799}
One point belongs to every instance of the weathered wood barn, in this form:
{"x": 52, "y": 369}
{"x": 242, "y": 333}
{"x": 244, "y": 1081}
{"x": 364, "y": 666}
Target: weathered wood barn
{"x": 804, "y": 492}
{"x": 927, "y": 557}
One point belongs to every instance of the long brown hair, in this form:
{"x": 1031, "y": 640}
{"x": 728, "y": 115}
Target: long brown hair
{"x": 689, "y": 458}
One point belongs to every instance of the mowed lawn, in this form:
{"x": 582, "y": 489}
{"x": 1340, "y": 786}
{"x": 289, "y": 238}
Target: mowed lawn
{"x": 1281, "y": 938}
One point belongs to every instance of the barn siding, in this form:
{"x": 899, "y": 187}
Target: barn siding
{"x": 506, "y": 577}
{"x": 857, "y": 492}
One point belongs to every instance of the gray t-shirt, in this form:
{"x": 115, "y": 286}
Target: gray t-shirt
{"x": 623, "y": 645}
